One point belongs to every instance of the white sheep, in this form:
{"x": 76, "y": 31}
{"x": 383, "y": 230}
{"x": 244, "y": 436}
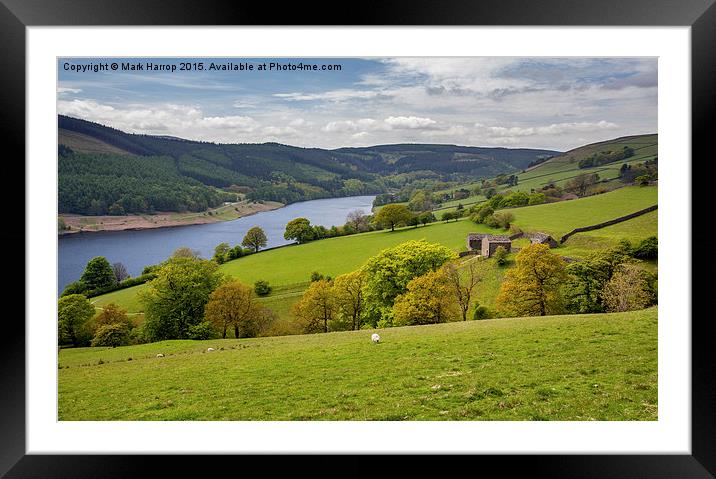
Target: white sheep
{"x": 375, "y": 338}
{"x": 208, "y": 350}
{"x": 160, "y": 355}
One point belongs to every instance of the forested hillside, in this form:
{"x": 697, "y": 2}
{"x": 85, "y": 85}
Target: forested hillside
{"x": 106, "y": 171}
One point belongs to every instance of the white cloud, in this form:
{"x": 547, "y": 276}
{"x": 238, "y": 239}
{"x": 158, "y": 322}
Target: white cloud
{"x": 332, "y": 95}
{"x": 62, "y": 90}
{"x": 410, "y": 122}
{"x": 548, "y": 130}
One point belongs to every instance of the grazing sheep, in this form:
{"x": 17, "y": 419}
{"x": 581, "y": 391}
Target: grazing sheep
{"x": 375, "y": 338}
{"x": 160, "y": 355}
{"x": 208, "y": 350}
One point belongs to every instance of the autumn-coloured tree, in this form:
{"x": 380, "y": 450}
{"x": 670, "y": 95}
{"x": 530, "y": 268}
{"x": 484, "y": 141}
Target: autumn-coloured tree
{"x": 348, "y": 294}
{"x": 429, "y": 299}
{"x": 316, "y": 308}
{"x": 233, "y": 305}
{"x": 532, "y": 287}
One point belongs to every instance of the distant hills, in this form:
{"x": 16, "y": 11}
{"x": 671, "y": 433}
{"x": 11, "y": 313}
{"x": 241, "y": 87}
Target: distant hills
{"x": 103, "y": 170}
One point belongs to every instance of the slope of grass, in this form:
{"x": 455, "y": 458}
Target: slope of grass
{"x": 334, "y": 256}
{"x": 562, "y": 217}
{"x": 587, "y": 367}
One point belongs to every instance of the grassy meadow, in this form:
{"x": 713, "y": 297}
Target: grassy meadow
{"x": 288, "y": 269}
{"x": 581, "y": 368}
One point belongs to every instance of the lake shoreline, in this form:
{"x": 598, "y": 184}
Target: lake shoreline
{"x": 141, "y": 223}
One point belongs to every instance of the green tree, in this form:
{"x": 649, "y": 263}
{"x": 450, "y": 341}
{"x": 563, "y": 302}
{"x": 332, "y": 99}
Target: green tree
{"x": 532, "y": 287}
{"x": 389, "y": 272}
{"x": 348, "y": 295}
{"x": 500, "y": 256}
{"x": 299, "y": 229}
{"x": 255, "y": 238}
{"x": 428, "y": 299}
{"x": 98, "y": 274}
{"x": 393, "y": 215}
{"x": 221, "y": 252}
{"x": 174, "y": 301}
{"x": 587, "y": 279}
{"x": 73, "y": 314}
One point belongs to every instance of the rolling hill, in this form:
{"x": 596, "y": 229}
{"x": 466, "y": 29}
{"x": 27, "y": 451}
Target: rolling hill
{"x": 570, "y": 368}
{"x": 103, "y": 170}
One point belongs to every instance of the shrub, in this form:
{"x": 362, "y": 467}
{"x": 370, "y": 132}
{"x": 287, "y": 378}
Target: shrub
{"x": 201, "y": 331}
{"x": 500, "y": 256}
{"x": 77, "y": 287}
{"x": 262, "y": 288}
{"x": 647, "y": 249}
{"x": 481, "y": 312}
{"x": 316, "y": 276}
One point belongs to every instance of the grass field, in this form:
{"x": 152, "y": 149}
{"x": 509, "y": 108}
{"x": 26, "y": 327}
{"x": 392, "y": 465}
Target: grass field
{"x": 562, "y": 168}
{"x": 292, "y": 266}
{"x": 587, "y": 367}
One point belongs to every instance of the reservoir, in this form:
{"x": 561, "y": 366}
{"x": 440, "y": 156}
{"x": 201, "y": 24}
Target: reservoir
{"x": 137, "y": 249}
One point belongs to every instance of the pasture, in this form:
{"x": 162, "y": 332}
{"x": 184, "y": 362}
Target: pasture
{"x": 569, "y": 368}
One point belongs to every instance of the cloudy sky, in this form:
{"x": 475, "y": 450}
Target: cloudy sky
{"x": 553, "y": 103}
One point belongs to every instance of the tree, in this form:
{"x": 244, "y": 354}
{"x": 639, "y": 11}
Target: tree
{"x": 299, "y": 229}
{"x": 392, "y": 216}
{"x": 348, "y": 294}
{"x": 359, "y": 221}
{"x": 255, "y": 238}
{"x": 317, "y": 307}
{"x": 233, "y": 305}
{"x": 174, "y": 301}
{"x": 73, "y": 314}
{"x": 500, "y": 255}
{"x": 462, "y": 282}
{"x": 389, "y": 272}
{"x": 587, "y": 278}
{"x": 185, "y": 252}
{"x": 426, "y": 217}
{"x": 420, "y": 201}
{"x": 98, "y": 274}
{"x": 429, "y": 299}
{"x": 647, "y": 249}
{"x": 221, "y": 252}
{"x": 532, "y": 287}
{"x": 120, "y": 272}
{"x": 628, "y": 289}
{"x": 580, "y": 183}
{"x": 112, "y": 314}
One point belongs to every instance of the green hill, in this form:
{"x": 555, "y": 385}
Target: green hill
{"x": 103, "y": 170}
{"x": 570, "y": 368}
{"x": 290, "y": 267}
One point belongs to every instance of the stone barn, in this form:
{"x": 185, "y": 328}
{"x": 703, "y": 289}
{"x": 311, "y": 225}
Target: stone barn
{"x": 543, "y": 238}
{"x": 474, "y": 241}
{"x": 490, "y": 243}
{"x": 486, "y": 244}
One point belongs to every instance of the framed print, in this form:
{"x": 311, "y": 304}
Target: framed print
{"x": 405, "y": 232}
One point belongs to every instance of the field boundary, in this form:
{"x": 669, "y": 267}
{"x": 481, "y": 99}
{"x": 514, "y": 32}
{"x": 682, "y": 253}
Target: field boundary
{"x": 608, "y": 223}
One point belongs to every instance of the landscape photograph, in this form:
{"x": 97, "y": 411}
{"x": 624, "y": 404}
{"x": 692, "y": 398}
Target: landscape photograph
{"x": 357, "y": 239}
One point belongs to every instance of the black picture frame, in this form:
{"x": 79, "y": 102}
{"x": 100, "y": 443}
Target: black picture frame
{"x": 16, "y": 15}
